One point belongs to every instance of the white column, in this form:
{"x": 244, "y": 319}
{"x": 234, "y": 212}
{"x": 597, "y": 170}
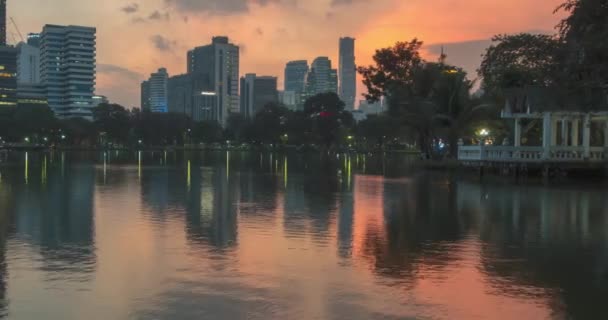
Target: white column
{"x": 547, "y": 134}
{"x": 574, "y": 133}
{"x": 587, "y": 136}
{"x": 517, "y": 139}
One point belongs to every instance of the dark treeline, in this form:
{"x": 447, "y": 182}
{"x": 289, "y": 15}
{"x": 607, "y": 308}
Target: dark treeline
{"x": 323, "y": 124}
{"x": 430, "y": 105}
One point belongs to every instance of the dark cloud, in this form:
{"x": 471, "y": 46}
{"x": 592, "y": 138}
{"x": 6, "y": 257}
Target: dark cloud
{"x": 163, "y": 44}
{"x": 119, "y": 71}
{"x": 157, "y": 15}
{"x": 220, "y": 7}
{"x": 346, "y": 2}
{"x": 131, "y": 8}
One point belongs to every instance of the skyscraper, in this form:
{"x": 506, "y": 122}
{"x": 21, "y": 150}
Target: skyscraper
{"x": 321, "y": 78}
{"x": 2, "y": 22}
{"x": 8, "y": 76}
{"x": 256, "y": 92}
{"x": 159, "y": 93}
{"x": 8, "y": 65}
{"x": 145, "y": 95}
{"x": 295, "y": 75}
{"x": 219, "y": 63}
{"x": 28, "y": 64}
{"x": 348, "y": 72}
{"x": 67, "y": 61}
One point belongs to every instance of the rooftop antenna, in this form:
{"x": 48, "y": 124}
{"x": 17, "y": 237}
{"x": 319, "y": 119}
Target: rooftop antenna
{"x": 443, "y": 56}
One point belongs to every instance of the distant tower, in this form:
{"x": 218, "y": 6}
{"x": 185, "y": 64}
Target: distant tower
{"x": 348, "y": 72}
{"x": 2, "y": 22}
{"x": 321, "y": 78}
{"x": 218, "y": 64}
{"x": 68, "y": 58}
{"x": 158, "y": 91}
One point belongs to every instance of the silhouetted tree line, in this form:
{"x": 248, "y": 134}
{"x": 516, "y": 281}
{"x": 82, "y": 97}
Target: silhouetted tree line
{"x": 322, "y": 123}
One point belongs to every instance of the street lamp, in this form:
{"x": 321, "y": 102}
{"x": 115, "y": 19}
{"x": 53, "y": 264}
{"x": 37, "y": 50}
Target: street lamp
{"x": 27, "y": 139}
{"x": 63, "y": 137}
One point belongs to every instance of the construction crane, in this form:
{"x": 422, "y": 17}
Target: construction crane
{"x": 17, "y": 29}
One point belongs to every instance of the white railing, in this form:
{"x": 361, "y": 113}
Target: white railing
{"x": 531, "y": 154}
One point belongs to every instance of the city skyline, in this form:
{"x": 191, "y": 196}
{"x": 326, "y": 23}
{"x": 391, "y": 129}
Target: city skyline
{"x": 159, "y": 32}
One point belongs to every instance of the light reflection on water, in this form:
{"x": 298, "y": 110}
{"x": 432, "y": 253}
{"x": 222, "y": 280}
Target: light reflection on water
{"x": 255, "y": 236}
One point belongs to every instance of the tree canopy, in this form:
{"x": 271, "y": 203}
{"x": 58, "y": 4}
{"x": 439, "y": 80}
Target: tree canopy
{"x": 515, "y": 61}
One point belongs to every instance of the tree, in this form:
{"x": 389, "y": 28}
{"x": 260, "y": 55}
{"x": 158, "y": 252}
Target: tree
{"x": 269, "y": 123}
{"x": 328, "y": 117}
{"x": 78, "y": 131}
{"x": 207, "y": 132}
{"x": 516, "y": 61}
{"x": 33, "y": 120}
{"x": 393, "y": 70}
{"x": 236, "y": 127}
{"x": 432, "y": 98}
{"x": 113, "y": 120}
{"x": 585, "y": 31}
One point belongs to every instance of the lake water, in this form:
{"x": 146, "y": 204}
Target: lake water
{"x": 268, "y": 236}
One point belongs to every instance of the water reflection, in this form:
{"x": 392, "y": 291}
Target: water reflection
{"x": 170, "y": 235}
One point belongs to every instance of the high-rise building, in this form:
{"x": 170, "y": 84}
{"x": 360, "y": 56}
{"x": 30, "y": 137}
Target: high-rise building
{"x": 289, "y": 99}
{"x": 219, "y": 63}
{"x": 145, "y": 95}
{"x": 67, "y": 61}
{"x": 159, "y": 91}
{"x": 256, "y": 92}
{"x": 295, "y": 75}
{"x": 28, "y": 64}
{"x": 180, "y": 94}
{"x": 348, "y": 72}
{"x": 2, "y": 22}
{"x": 8, "y": 76}
{"x": 33, "y": 39}
{"x": 321, "y": 78}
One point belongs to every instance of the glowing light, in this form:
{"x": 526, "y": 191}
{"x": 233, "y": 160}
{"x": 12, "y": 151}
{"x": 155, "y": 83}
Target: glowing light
{"x": 208, "y": 93}
{"x": 189, "y": 175}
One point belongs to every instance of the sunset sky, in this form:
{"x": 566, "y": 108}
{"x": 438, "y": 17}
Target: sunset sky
{"x": 135, "y": 37}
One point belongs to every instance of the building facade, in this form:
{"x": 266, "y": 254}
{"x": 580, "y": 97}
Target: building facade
{"x": 289, "y": 99}
{"x": 181, "y": 94}
{"x": 8, "y": 76}
{"x": 67, "y": 64}
{"x": 348, "y": 72}
{"x": 295, "y": 75}
{"x": 219, "y": 63}
{"x": 33, "y": 39}
{"x": 28, "y": 64}
{"x": 321, "y": 78}
{"x": 2, "y": 22}
{"x": 256, "y": 92}
{"x": 145, "y": 95}
{"x": 159, "y": 91}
